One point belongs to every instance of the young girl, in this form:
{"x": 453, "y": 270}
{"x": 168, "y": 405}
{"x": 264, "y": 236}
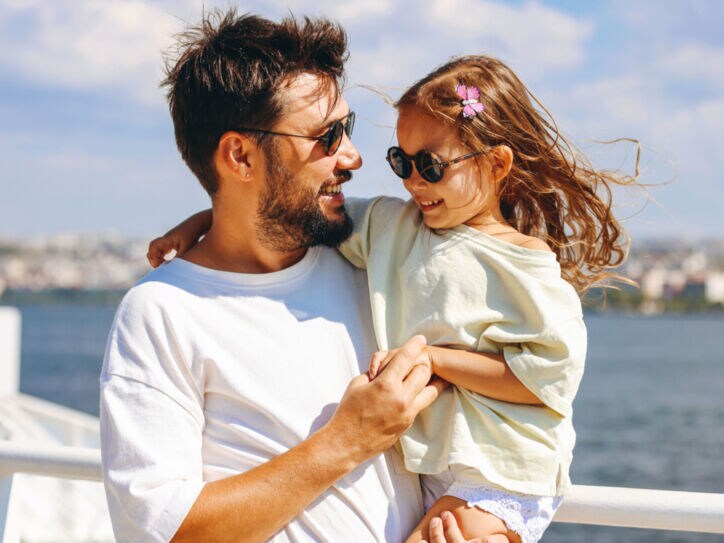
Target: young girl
{"x": 505, "y": 223}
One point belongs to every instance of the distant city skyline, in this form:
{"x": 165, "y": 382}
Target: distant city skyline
{"x": 86, "y": 141}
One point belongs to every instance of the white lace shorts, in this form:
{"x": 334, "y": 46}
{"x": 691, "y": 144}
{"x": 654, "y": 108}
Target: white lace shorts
{"x": 524, "y": 514}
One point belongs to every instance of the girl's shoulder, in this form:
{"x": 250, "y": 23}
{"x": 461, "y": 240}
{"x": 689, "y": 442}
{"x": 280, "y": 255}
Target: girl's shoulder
{"x": 522, "y": 240}
{"x": 530, "y": 242}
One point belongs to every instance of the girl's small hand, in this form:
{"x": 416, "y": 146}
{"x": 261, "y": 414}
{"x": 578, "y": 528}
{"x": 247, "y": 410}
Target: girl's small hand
{"x": 168, "y": 244}
{"x": 381, "y": 358}
{"x": 179, "y": 239}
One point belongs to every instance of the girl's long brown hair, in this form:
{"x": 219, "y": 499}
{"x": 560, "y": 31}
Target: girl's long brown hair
{"x": 552, "y": 191}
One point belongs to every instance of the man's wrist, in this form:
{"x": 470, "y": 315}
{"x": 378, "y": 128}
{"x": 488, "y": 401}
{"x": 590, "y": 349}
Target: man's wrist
{"x": 332, "y": 450}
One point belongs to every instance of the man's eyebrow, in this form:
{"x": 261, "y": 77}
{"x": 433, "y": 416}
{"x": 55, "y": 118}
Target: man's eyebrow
{"x": 329, "y": 122}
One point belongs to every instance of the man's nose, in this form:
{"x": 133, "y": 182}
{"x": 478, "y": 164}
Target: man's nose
{"x": 348, "y": 157}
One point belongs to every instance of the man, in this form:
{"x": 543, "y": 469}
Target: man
{"x": 221, "y": 415}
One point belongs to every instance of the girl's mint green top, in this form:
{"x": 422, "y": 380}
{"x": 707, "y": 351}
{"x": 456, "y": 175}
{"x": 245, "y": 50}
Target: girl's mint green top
{"x": 465, "y": 289}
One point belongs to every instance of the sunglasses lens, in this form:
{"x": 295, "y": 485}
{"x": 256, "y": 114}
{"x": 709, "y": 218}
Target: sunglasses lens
{"x": 399, "y": 163}
{"x": 429, "y": 167}
{"x": 336, "y": 133}
{"x": 334, "y": 137}
{"x": 349, "y": 125}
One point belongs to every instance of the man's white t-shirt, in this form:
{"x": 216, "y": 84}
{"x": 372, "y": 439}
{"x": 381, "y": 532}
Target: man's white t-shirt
{"x": 208, "y": 374}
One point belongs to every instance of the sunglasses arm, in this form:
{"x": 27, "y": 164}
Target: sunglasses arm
{"x": 460, "y": 159}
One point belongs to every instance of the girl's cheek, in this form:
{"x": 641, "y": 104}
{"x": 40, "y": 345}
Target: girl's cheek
{"x": 407, "y": 188}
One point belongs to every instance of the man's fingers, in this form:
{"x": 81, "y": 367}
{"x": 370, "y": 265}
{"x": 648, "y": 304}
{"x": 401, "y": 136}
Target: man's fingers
{"x": 405, "y": 358}
{"x": 375, "y": 363}
{"x": 428, "y": 394}
{"x": 358, "y": 381}
{"x": 437, "y": 535}
{"x": 446, "y": 530}
{"x": 417, "y": 378}
{"x": 452, "y": 531}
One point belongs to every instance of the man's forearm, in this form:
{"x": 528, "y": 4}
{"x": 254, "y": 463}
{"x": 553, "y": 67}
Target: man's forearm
{"x": 254, "y": 505}
{"x": 369, "y": 419}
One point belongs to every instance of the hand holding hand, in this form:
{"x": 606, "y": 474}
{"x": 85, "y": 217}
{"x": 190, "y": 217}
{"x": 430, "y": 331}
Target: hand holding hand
{"x": 374, "y": 413}
{"x": 381, "y": 359}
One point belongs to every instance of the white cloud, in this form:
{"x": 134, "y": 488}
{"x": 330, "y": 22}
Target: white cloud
{"x": 695, "y": 61}
{"x": 531, "y": 35}
{"x": 346, "y": 11}
{"x": 695, "y": 133}
{"x": 390, "y": 62}
{"x": 101, "y": 44}
{"x": 625, "y": 100}
{"x": 92, "y": 44}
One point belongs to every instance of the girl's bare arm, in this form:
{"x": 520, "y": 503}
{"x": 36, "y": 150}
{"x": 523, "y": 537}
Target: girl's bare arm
{"x": 485, "y": 373}
{"x": 180, "y": 238}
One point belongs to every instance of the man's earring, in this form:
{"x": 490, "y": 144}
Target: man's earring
{"x": 247, "y": 174}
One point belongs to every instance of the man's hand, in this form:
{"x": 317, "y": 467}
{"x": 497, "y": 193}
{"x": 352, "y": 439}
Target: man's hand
{"x": 381, "y": 359}
{"x": 444, "y": 529}
{"x": 374, "y": 413}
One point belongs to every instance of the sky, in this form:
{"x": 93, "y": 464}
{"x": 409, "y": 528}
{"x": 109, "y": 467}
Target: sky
{"x": 86, "y": 140}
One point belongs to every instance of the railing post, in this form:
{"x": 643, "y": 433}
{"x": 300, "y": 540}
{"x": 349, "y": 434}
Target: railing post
{"x": 9, "y": 384}
{"x": 9, "y": 530}
{"x": 9, "y": 350}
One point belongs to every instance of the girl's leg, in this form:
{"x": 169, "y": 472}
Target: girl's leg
{"x": 473, "y": 522}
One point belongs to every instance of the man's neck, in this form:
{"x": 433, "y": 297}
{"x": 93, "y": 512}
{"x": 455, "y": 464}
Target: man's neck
{"x": 239, "y": 250}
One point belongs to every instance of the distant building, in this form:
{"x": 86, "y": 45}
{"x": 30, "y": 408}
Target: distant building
{"x": 695, "y": 287}
{"x": 714, "y": 287}
{"x": 653, "y": 282}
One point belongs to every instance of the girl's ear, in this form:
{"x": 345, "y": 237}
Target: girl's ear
{"x": 236, "y": 156}
{"x": 501, "y": 159}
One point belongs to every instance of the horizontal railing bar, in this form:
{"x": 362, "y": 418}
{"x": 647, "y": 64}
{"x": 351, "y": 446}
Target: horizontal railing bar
{"x": 598, "y": 505}
{"x": 644, "y": 508}
{"x": 50, "y": 460}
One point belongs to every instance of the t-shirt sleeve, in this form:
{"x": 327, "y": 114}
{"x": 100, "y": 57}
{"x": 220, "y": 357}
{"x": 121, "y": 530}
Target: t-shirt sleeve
{"x": 371, "y": 218}
{"x": 356, "y": 248}
{"x": 546, "y": 350}
{"x": 151, "y": 427}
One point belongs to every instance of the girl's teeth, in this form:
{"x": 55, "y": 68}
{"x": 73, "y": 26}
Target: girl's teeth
{"x": 431, "y": 202}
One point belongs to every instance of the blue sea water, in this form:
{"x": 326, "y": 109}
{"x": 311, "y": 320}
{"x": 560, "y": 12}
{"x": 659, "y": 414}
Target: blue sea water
{"x": 649, "y": 414}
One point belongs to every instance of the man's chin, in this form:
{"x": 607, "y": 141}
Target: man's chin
{"x": 338, "y": 228}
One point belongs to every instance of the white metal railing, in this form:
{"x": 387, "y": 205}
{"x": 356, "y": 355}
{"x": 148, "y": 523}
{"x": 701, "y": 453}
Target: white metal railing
{"x": 643, "y": 508}
{"x": 9, "y": 350}
{"x": 51, "y": 460}
{"x": 603, "y": 506}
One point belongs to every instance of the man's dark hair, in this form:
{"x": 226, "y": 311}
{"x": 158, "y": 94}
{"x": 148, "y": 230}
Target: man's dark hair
{"x": 229, "y": 72}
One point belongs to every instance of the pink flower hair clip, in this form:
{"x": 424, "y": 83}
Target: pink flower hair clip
{"x": 471, "y": 104}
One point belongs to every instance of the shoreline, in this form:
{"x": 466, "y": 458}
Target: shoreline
{"x": 593, "y": 304}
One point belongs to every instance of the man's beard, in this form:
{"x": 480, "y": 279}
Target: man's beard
{"x": 290, "y": 217}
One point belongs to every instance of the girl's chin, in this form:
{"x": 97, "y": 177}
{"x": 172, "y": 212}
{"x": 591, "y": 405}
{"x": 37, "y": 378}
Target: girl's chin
{"x": 431, "y": 222}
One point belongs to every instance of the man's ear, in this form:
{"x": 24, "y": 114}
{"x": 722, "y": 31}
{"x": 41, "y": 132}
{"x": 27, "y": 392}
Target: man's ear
{"x": 237, "y": 156}
{"x": 501, "y": 159}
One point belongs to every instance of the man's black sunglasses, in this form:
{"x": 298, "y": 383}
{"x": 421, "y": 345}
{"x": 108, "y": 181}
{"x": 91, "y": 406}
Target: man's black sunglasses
{"x": 331, "y": 139}
{"x": 428, "y": 165}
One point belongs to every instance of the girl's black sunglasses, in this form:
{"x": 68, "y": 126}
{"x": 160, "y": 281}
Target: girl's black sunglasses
{"x": 331, "y": 139}
{"x": 428, "y": 165}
